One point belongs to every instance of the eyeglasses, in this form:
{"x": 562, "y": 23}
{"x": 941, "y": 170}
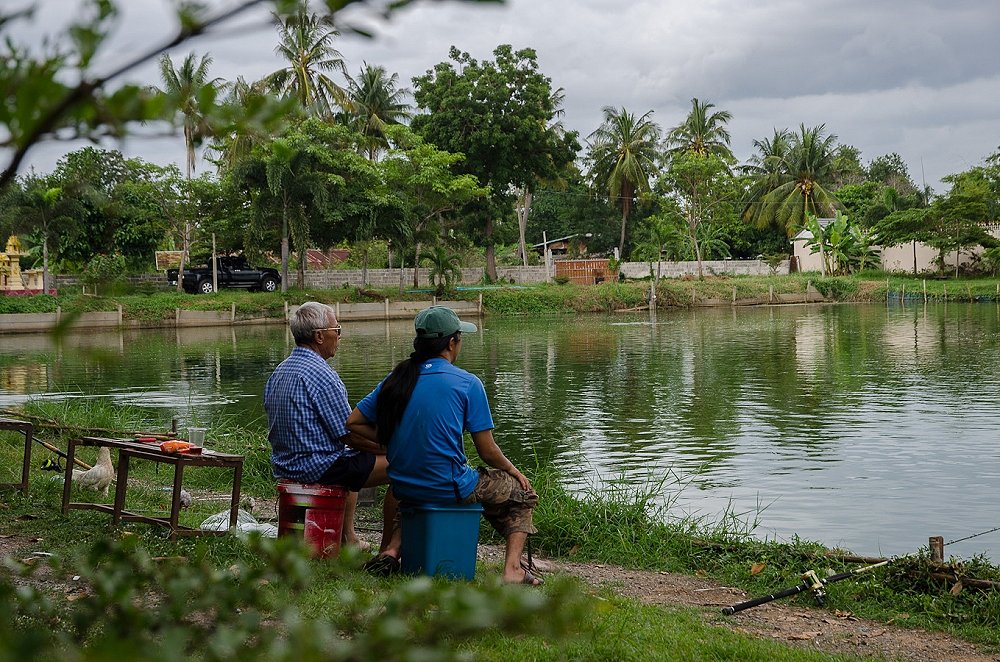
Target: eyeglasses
{"x": 337, "y": 328}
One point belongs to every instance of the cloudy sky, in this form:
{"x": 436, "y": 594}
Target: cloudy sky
{"x": 916, "y": 77}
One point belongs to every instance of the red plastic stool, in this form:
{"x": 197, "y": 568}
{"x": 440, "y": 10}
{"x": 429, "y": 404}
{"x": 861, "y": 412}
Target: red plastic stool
{"x": 314, "y": 512}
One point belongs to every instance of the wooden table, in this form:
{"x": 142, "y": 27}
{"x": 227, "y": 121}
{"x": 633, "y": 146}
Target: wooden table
{"x": 128, "y": 449}
{"x": 28, "y": 430}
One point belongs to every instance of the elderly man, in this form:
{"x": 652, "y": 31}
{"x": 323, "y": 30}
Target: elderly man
{"x": 307, "y": 410}
{"x": 420, "y": 413}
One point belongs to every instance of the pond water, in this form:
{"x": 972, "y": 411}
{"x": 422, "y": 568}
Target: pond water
{"x": 866, "y": 427}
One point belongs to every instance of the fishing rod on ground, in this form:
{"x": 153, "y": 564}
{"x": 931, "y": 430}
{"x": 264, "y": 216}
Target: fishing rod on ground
{"x": 810, "y": 582}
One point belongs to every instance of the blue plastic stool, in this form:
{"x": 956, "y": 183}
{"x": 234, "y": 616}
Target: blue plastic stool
{"x": 440, "y": 539}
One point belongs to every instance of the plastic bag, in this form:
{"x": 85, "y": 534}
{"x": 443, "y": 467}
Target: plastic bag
{"x": 245, "y": 523}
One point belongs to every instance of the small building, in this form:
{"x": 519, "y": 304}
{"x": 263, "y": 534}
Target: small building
{"x": 561, "y": 246}
{"x": 803, "y": 259}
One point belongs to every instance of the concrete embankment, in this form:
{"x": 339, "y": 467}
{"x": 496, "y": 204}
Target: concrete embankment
{"x": 45, "y": 322}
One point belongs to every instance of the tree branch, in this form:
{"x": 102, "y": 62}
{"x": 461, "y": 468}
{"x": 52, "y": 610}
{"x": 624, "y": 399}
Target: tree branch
{"x": 86, "y": 88}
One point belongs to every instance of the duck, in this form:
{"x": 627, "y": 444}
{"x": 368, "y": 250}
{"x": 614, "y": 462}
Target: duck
{"x": 99, "y": 476}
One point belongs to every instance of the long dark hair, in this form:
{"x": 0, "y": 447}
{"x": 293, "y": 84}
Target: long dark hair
{"x": 398, "y": 386}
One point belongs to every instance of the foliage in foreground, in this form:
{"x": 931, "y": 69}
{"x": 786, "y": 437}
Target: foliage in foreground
{"x": 131, "y": 605}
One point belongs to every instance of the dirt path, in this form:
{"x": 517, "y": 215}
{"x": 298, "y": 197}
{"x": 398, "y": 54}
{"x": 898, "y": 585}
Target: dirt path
{"x": 840, "y": 633}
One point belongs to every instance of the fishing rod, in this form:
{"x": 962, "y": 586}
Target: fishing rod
{"x": 810, "y": 582}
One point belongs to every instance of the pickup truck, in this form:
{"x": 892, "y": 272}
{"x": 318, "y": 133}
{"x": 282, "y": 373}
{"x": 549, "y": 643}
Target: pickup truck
{"x": 233, "y": 271}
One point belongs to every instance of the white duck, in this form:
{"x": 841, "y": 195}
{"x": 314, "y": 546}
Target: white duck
{"x": 99, "y": 476}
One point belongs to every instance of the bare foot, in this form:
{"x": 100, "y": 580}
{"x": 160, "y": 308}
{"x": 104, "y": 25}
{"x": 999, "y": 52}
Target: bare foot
{"x": 360, "y": 544}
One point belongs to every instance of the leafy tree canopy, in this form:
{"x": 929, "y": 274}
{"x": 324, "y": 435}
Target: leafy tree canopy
{"x": 498, "y": 113}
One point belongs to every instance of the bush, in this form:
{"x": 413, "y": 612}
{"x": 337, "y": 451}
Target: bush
{"x": 130, "y": 605}
{"x": 104, "y": 270}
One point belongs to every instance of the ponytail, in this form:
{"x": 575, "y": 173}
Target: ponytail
{"x": 397, "y": 389}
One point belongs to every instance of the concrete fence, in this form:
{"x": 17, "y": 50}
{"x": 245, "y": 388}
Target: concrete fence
{"x": 328, "y": 279}
{"x": 710, "y": 268}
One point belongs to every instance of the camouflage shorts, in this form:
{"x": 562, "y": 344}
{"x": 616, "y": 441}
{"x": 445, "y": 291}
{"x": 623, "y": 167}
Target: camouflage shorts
{"x": 506, "y": 505}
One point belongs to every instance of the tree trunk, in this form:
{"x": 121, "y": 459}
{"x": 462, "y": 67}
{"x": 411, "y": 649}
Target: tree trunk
{"x": 416, "y": 262}
{"x": 184, "y": 255}
{"x": 522, "y": 223}
{"x": 364, "y": 267}
{"x": 284, "y": 247}
{"x": 626, "y": 208}
{"x": 914, "y": 257}
{"x": 822, "y": 255}
{"x": 303, "y": 256}
{"x": 491, "y": 252}
{"x": 693, "y": 229}
{"x": 401, "y": 267}
{"x": 45, "y": 263}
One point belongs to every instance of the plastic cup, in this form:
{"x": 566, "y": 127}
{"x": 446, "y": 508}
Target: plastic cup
{"x": 196, "y": 436}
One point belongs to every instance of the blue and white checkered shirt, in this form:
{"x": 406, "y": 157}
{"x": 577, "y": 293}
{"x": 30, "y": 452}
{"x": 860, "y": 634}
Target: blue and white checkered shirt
{"x": 307, "y": 410}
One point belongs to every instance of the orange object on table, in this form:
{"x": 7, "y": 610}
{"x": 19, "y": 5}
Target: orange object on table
{"x": 175, "y": 446}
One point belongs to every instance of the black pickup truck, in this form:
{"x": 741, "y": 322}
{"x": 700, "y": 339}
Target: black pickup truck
{"x": 233, "y": 271}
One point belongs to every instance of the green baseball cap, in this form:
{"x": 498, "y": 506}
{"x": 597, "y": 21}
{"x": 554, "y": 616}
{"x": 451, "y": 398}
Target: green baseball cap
{"x": 440, "y": 322}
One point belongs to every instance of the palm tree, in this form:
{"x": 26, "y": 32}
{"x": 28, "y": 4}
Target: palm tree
{"x": 377, "y": 102}
{"x": 622, "y": 154}
{"x": 446, "y": 267}
{"x": 703, "y": 132}
{"x": 306, "y": 42}
{"x": 795, "y": 184}
{"x": 186, "y": 87}
{"x": 247, "y": 98}
{"x": 765, "y": 170}
{"x": 46, "y": 208}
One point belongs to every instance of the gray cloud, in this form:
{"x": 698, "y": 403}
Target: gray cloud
{"x": 917, "y": 78}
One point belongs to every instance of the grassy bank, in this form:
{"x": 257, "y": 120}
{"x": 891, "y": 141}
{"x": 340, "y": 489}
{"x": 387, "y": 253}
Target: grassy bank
{"x": 158, "y": 306}
{"x": 610, "y": 525}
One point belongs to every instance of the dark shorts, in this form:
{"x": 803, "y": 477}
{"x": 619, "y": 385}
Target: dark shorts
{"x": 506, "y": 506}
{"x": 351, "y": 472}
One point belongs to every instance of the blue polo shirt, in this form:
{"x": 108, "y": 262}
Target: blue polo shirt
{"x": 427, "y": 461}
{"x": 307, "y": 410}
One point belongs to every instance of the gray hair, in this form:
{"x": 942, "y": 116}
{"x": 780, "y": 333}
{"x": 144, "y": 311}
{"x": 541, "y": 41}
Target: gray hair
{"x": 307, "y": 318}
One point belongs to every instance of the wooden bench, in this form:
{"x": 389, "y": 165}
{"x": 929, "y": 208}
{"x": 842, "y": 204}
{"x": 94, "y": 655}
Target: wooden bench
{"x": 128, "y": 449}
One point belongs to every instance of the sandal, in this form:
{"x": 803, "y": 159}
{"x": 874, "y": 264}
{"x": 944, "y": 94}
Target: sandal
{"x": 532, "y": 580}
{"x": 382, "y": 565}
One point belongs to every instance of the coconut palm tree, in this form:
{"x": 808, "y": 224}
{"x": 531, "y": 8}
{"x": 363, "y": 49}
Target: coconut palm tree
{"x": 189, "y": 89}
{"x": 305, "y": 40}
{"x": 376, "y": 103}
{"x": 622, "y": 153}
{"x": 801, "y": 180}
{"x": 702, "y": 132}
{"x": 185, "y": 86}
{"x": 249, "y": 98}
{"x": 765, "y": 170}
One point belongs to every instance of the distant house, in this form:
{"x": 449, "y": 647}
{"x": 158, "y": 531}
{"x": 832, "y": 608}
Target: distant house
{"x": 803, "y": 259}
{"x": 561, "y": 245}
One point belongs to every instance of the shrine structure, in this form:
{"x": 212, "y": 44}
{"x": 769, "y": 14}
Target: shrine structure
{"x": 14, "y": 281}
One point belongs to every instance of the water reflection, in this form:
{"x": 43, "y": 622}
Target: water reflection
{"x": 863, "y": 426}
